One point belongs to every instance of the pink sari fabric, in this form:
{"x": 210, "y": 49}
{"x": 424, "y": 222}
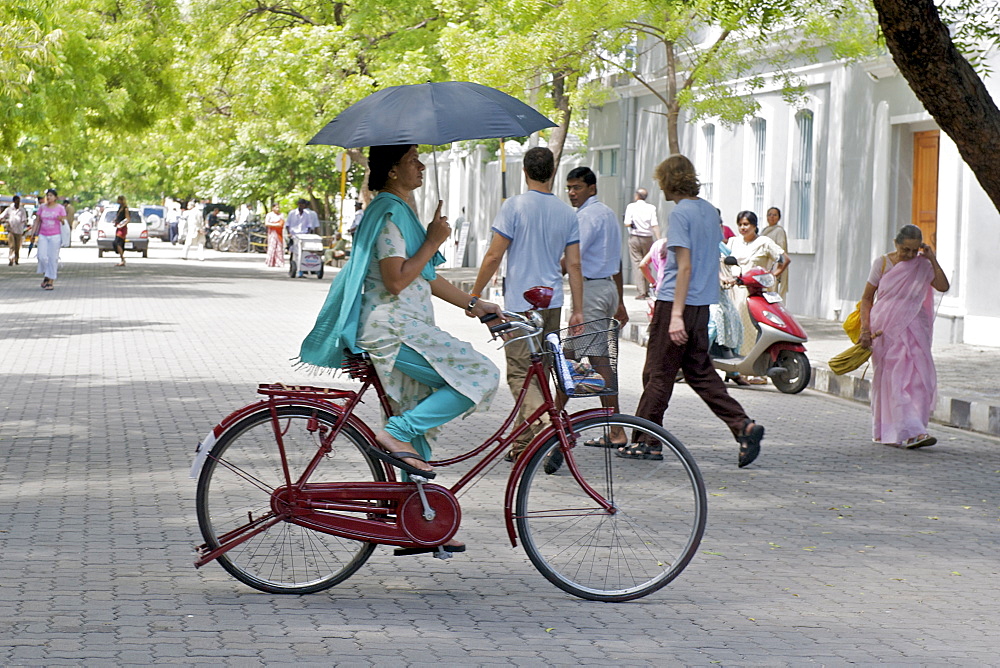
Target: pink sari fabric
{"x": 904, "y": 388}
{"x": 275, "y": 248}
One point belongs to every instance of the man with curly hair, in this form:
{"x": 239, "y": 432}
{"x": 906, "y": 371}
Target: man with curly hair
{"x": 678, "y": 331}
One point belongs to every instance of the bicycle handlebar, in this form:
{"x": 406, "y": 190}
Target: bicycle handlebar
{"x": 515, "y": 321}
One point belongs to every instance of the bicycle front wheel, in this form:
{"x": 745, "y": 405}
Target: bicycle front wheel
{"x": 235, "y": 489}
{"x": 660, "y": 509}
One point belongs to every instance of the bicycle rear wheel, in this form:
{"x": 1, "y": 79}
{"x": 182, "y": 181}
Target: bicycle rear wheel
{"x": 235, "y": 488}
{"x": 661, "y": 509}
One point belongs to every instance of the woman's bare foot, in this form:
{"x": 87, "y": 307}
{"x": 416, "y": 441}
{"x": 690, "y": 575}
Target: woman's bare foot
{"x": 455, "y": 543}
{"x": 397, "y": 447}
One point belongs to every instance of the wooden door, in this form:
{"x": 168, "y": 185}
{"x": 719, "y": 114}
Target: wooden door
{"x": 925, "y": 183}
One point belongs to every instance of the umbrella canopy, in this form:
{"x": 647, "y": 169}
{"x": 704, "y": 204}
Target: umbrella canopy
{"x": 849, "y": 360}
{"x": 431, "y": 113}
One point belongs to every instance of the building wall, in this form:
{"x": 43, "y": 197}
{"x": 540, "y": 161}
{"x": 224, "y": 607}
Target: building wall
{"x": 864, "y": 119}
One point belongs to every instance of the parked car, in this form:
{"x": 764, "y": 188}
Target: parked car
{"x": 136, "y": 237}
{"x": 154, "y": 216}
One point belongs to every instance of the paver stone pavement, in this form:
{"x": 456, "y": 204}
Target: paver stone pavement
{"x": 829, "y": 550}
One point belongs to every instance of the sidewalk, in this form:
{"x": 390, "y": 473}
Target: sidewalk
{"x": 968, "y": 376}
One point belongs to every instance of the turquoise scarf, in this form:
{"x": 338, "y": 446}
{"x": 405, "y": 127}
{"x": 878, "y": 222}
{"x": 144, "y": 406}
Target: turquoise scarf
{"x": 336, "y": 326}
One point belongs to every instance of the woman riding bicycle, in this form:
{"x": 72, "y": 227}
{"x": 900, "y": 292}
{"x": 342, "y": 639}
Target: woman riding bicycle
{"x": 380, "y": 303}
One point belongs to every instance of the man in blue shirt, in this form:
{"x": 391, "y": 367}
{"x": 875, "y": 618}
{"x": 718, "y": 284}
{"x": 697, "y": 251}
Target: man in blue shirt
{"x": 600, "y": 256}
{"x": 534, "y": 230}
{"x": 678, "y": 332}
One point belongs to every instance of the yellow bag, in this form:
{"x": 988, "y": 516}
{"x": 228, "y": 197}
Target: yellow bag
{"x": 852, "y": 325}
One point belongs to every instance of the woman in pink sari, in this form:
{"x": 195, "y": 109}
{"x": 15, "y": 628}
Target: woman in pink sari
{"x": 898, "y": 327}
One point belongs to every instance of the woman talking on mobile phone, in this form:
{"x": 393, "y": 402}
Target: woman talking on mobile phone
{"x": 897, "y": 324}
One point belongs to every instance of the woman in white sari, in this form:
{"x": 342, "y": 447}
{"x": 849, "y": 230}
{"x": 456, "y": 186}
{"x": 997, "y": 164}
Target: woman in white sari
{"x": 752, "y": 249}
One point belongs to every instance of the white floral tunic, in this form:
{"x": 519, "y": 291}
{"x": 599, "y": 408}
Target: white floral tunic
{"x": 389, "y": 320}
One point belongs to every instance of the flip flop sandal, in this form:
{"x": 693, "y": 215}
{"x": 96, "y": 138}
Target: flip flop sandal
{"x": 397, "y": 459}
{"x": 406, "y": 551}
{"x": 604, "y": 442}
{"x": 750, "y": 443}
{"x": 639, "y": 451}
{"x": 920, "y": 442}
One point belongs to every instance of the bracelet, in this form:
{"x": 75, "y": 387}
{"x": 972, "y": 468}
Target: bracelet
{"x": 472, "y": 302}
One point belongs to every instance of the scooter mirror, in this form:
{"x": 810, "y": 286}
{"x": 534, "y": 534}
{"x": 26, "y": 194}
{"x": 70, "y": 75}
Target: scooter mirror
{"x": 730, "y": 260}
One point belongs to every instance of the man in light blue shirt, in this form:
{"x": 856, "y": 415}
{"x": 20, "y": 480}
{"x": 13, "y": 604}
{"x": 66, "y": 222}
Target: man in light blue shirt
{"x": 678, "y": 331}
{"x": 600, "y": 256}
{"x": 534, "y": 230}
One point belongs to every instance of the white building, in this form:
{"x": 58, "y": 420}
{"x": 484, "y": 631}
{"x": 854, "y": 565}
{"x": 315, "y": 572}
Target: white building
{"x": 859, "y": 159}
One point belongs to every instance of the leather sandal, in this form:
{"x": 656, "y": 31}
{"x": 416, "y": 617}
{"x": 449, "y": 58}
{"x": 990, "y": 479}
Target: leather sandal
{"x": 749, "y": 443}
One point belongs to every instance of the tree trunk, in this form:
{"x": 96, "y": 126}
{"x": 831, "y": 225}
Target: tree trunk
{"x": 946, "y": 84}
{"x": 558, "y": 137}
{"x": 673, "y": 109}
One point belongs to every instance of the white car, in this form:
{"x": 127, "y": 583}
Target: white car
{"x": 136, "y": 237}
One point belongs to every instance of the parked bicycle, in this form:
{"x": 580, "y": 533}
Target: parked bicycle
{"x": 292, "y": 500}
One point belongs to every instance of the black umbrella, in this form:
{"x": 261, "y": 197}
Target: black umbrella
{"x": 431, "y": 113}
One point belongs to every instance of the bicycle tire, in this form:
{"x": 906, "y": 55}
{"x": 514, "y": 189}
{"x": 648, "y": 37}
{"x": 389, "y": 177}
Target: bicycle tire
{"x": 661, "y": 510}
{"x": 239, "y": 244}
{"x": 236, "y": 483}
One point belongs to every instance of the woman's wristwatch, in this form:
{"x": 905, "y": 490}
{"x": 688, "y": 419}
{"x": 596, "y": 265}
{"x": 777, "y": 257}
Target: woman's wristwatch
{"x": 472, "y": 302}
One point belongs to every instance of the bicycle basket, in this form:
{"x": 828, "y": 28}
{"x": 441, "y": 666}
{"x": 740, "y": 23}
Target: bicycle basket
{"x": 586, "y": 358}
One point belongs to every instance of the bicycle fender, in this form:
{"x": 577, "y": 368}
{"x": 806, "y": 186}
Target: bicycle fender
{"x": 518, "y": 469}
{"x": 206, "y": 444}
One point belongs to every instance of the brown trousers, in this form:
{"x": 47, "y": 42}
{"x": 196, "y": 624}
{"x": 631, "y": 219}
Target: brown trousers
{"x": 637, "y": 249}
{"x": 14, "y": 242}
{"x": 518, "y": 362}
{"x": 664, "y": 359}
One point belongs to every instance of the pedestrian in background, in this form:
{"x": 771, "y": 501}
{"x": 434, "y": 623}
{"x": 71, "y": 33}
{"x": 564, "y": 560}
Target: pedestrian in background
{"x": 121, "y": 229}
{"x": 301, "y": 220}
{"x": 534, "y": 230}
{"x": 48, "y": 231}
{"x": 359, "y": 213}
{"x": 776, "y": 232}
{"x": 600, "y": 259}
{"x": 67, "y": 227}
{"x": 643, "y": 230}
{"x": 898, "y": 327}
{"x": 15, "y": 219}
{"x": 173, "y": 219}
{"x": 275, "y": 223}
{"x": 194, "y": 225}
{"x": 678, "y": 333}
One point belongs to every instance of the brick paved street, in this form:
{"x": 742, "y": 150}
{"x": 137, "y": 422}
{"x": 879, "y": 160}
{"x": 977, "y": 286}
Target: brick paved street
{"x": 829, "y": 550}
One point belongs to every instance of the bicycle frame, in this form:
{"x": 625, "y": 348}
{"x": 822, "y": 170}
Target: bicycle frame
{"x": 362, "y": 497}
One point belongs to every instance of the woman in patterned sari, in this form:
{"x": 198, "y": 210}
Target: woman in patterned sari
{"x": 380, "y": 303}
{"x": 898, "y": 327}
{"x": 275, "y": 222}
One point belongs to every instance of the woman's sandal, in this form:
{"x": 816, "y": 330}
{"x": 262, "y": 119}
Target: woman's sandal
{"x": 640, "y": 451}
{"x": 397, "y": 459}
{"x": 749, "y": 443}
{"x": 921, "y": 441}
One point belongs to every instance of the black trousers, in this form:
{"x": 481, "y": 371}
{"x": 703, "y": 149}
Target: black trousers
{"x": 664, "y": 359}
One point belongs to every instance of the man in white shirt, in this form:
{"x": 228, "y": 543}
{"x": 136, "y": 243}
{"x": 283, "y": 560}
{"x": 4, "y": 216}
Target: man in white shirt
{"x": 643, "y": 230}
{"x": 301, "y": 220}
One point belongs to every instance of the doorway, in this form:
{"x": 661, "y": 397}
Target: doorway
{"x": 925, "y": 183}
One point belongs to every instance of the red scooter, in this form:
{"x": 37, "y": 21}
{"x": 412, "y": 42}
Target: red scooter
{"x": 778, "y": 352}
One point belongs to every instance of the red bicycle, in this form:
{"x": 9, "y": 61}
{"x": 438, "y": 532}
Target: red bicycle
{"x": 290, "y": 499}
